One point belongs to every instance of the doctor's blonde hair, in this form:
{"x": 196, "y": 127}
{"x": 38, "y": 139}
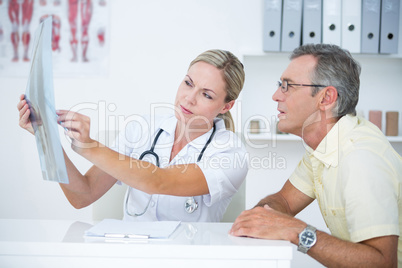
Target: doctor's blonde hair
{"x": 233, "y": 74}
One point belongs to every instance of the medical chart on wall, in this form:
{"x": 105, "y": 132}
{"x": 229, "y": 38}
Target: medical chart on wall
{"x": 80, "y": 36}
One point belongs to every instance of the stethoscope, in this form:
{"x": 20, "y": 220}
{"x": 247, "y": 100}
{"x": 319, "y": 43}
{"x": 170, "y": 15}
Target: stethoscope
{"x": 190, "y": 205}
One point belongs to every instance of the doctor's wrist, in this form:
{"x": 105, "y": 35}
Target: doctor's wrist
{"x": 87, "y": 148}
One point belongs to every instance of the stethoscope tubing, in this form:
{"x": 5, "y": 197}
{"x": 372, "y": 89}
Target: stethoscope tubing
{"x": 190, "y": 205}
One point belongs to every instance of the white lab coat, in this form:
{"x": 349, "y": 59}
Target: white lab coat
{"x": 224, "y": 164}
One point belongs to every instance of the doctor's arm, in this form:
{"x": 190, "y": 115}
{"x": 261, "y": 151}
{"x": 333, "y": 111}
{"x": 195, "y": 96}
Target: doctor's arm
{"x": 82, "y": 190}
{"x": 179, "y": 180}
{"x": 273, "y": 218}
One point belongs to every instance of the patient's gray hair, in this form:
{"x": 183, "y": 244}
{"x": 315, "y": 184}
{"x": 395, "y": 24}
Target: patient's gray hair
{"x": 335, "y": 67}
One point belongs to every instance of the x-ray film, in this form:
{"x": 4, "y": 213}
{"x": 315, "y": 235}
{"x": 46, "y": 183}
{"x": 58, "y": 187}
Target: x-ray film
{"x": 40, "y": 98}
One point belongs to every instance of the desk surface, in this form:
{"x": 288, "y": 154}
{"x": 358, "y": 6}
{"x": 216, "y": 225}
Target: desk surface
{"x": 46, "y": 243}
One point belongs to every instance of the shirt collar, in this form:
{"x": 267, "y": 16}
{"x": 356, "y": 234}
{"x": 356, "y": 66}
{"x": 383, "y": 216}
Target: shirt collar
{"x": 201, "y": 141}
{"x": 327, "y": 151}
{"x": 169, "y": 125}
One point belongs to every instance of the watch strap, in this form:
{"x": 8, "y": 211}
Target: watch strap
{"x": 312, "y": 228}
{"x": 301, "y": 247}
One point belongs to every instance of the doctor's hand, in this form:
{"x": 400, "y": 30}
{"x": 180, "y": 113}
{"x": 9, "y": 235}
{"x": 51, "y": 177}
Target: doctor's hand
{"x": 267, "y": 223}
{"x": 24, "y": 121}
{"x": 77, "y": 127}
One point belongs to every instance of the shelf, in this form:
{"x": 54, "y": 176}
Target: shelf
{"x": 290, "y": 137}
{"x": 394, "y": 138}
{"x": 271, "y": 137}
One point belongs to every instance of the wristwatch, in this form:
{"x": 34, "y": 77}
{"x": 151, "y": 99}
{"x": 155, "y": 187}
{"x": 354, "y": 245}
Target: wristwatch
{"x": 307, "y": 239}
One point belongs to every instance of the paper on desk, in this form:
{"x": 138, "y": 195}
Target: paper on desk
{"x": 40, "y": 98}
{"x": 157, "y": 229}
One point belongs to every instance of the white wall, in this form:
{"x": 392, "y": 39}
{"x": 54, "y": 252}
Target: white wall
{"x": 152, "y": 43}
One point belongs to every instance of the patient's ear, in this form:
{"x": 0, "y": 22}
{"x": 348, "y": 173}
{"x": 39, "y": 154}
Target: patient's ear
{"x": 329, "y": 95}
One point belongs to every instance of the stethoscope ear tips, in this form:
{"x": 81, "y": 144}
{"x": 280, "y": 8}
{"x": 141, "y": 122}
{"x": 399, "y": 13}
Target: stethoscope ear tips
{"x": 190, "y": 205}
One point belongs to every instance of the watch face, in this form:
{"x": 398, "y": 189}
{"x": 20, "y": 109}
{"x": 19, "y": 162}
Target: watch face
{"x": 308, "y": 238}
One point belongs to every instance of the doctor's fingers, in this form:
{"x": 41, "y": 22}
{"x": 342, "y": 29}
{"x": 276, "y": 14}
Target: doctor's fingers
{"x": 23, "y": 110}
{"x": 65, "y": 115}
{"x": 21, "y": 103}
{"x": 79, "y": 141}
{"x": 23, "y": 107}
{"x": 73, "y": 120}
{"x": 77, "y": 130}
{"x": 79, "y": 127}
{"x": 24, "y": 121}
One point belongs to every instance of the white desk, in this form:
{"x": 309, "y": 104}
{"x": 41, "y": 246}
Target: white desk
{"x": 47, "y": 243}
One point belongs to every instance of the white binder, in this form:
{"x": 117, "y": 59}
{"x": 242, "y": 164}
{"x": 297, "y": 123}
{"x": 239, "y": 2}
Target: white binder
{"x": 291, "y": 24}
{"x": 389, "y": 26}
{"x": 370, "y": 39}
{"x": 312, "y": 13}
{"x": 351, "y": 25}
{"x": 331, "y": 21}
{"x": 272, "y": 25}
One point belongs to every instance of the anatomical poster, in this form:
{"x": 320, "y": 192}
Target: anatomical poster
{"x": 80, "y": 36}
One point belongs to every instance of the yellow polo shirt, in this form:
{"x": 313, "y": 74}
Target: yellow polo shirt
{"x": 356, "y": 177}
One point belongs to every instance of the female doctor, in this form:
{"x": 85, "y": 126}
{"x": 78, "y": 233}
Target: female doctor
{"x": 187, "y": 167}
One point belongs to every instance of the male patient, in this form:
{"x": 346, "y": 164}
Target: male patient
{"x": 349, "y": 167}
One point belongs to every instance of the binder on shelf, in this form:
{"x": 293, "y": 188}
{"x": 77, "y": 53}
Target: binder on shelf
{"x": 331, "y": 21}
{"x": 351, "y": 25}
{"x": 272, "y": 25}
{"x": 312, "y": 13}
{"x": 370, "y": 38}
{"x": 291, "y": 24}
{"x": 389, "y": 26}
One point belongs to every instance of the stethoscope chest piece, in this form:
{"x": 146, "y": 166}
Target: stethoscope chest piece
{"x": 190, "y": 205}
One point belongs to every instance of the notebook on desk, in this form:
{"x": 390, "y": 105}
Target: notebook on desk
{"x": 111, "y": 228}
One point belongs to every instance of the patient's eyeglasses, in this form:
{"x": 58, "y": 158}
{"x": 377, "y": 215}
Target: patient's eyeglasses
{"x": 285, "y": 85}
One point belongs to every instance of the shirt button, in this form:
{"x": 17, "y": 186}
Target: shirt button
{"x": 152, "y": 203}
